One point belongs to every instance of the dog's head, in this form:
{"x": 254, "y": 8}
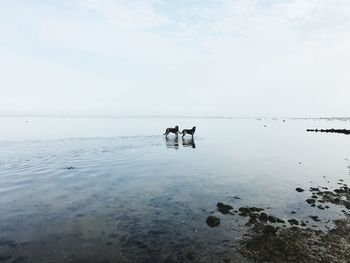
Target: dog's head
{"x": 194, "y": 128}
{"x": 176, "y": 127}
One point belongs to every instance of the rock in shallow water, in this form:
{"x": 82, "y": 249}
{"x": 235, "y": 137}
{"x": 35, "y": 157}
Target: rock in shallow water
{"x": 315, "y": 218}
{"x": 213, "y": 221}
{"x": 310, "y": 201}
{"x": 293, "y": 222}
{"x": 224, "y": 209}
{"x": 263, "y": 217}
{"x": 274, "y": 219}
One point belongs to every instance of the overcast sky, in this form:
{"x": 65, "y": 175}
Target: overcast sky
{"x": 175, "y": 57}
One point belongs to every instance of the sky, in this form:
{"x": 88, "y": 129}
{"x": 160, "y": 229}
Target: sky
{"x": 240, "y": 58}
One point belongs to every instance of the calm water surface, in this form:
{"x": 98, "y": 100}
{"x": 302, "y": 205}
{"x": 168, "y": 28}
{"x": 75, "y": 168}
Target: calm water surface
{"x": 115, "y": 190}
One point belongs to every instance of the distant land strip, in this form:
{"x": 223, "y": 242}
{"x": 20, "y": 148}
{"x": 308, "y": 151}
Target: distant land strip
{"x": 344, "y": 131}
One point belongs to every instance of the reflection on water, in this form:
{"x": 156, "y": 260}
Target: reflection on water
{"x": 173, "y": 142}
{"x": 188, "y": 142}
{"x": 130, "y": 199}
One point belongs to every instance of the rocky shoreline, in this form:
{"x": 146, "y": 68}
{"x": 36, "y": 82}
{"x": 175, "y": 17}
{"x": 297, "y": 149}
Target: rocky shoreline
{"x": 266, "y": 243}
{"x": 272, "y": 239}
{"x": 343, "y": 131}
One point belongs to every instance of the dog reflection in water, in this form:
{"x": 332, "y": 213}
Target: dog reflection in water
{"x": 188, "y": 142}
{"x": 172, "y": 142}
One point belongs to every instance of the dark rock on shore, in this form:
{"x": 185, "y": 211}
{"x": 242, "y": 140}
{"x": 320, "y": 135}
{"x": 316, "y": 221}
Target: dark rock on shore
{"x": 255, "y": 216}
{"x": 263, "y": 217}
{"x": 246, "y": 211}
{"x": 270, "y": 230}
{"x": 224, "y": 209}
{"x": 310, "y": 201}
{"x": 303, "y": 223}
{"x": 213, "y": 221}
{"x": 296, "y": 244}
{"x": 298, "y": 189}
{"x": 339, "y": 196}
{"x": 274, "y": 219}
{"x": 293, "y": 222}
{"x": 256, "y": 209}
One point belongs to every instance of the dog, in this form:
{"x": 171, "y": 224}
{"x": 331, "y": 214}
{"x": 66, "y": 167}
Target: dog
{"x": 188, "y": 131}
{"x": 172, "y": 130}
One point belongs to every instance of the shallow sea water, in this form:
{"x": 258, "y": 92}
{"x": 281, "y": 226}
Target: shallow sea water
{"x": 115, "y": 190}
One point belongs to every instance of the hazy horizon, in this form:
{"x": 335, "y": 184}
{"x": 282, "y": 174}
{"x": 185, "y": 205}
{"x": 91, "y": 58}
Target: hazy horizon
{"x": 172, "y": 116}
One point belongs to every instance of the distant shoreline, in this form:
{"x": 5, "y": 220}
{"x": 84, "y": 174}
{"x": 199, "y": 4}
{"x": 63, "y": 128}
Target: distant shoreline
{"x": 170, "y": 116}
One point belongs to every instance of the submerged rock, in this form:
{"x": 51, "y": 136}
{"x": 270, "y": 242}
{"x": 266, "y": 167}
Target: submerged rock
{"x": 224, "y": 209}
{"x": 213, "y": 221}
{"x": 315, "y": 218}
{"x": 244, "y": 210}
{"x": 250, "y": 209}
{"x": 310, "y": 201}
{"x": 320, "y": 207}
{"x": 298, "y": 189}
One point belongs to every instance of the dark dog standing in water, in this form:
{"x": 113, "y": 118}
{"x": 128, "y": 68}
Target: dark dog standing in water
{"x": 188, "y": 131}
{"x": 172, "y": 130}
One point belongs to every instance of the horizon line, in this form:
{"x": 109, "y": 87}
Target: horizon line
{"x": 165, "y": 116}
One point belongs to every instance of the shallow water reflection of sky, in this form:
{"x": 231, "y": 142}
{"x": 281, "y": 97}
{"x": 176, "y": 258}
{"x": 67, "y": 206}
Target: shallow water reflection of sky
{"x": 106, "y": 190}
